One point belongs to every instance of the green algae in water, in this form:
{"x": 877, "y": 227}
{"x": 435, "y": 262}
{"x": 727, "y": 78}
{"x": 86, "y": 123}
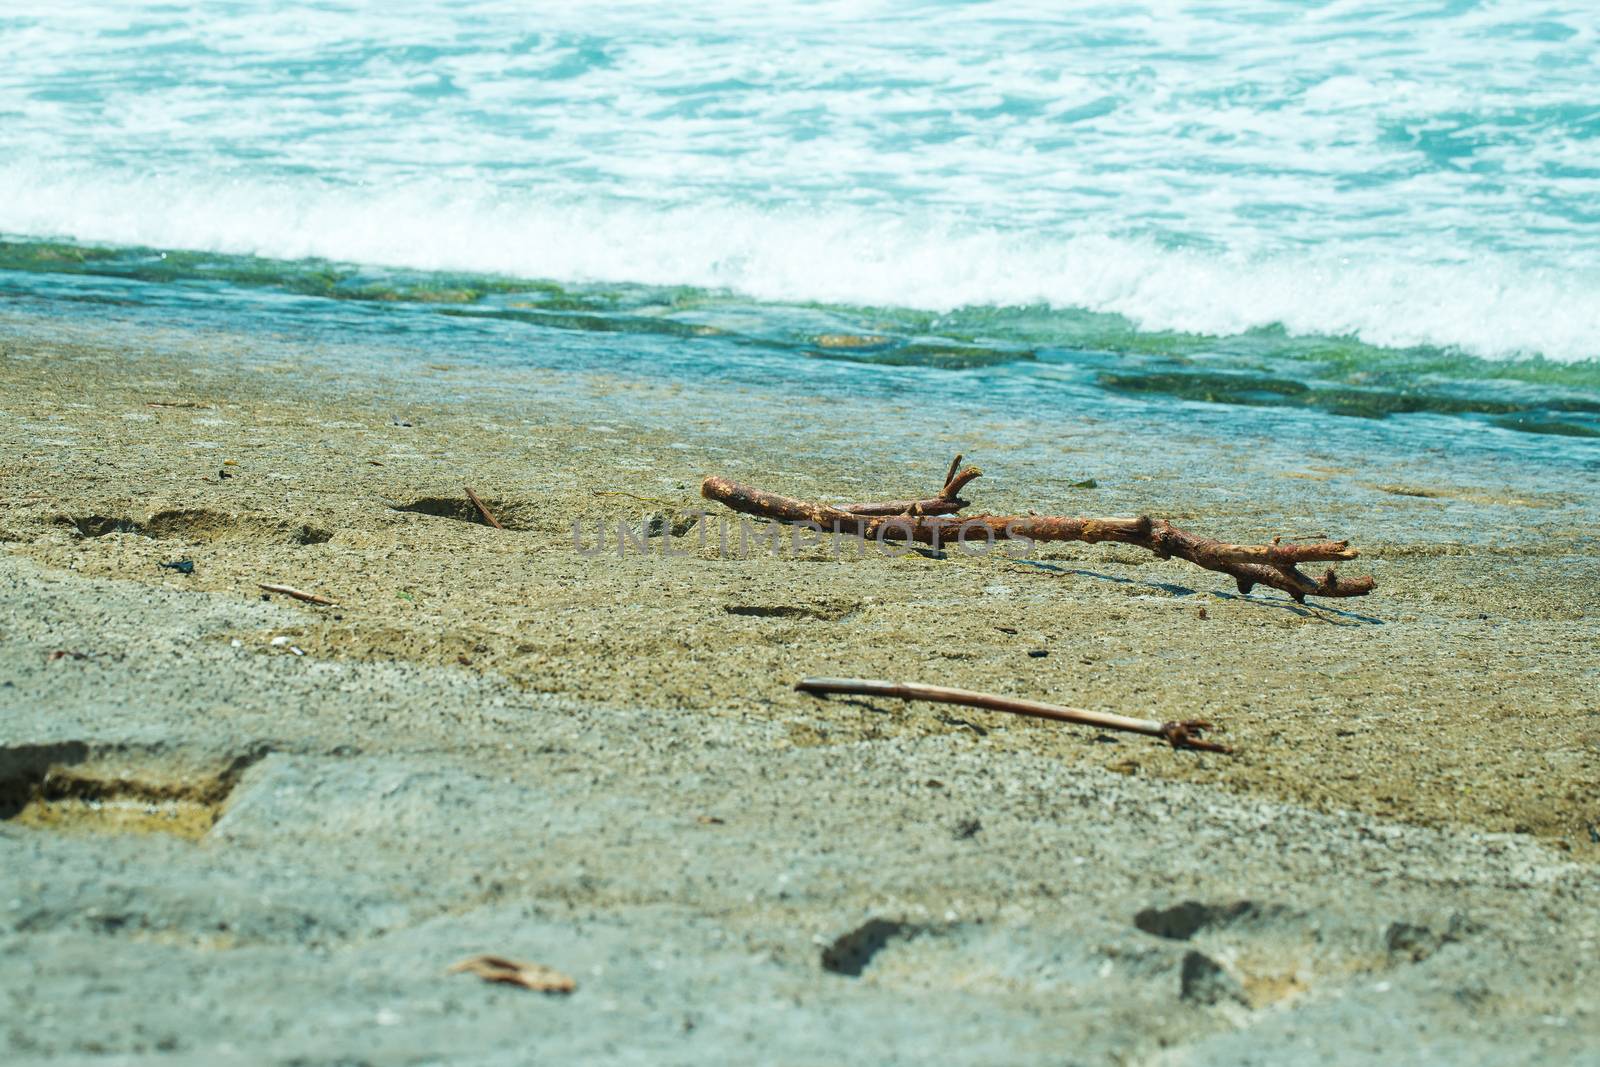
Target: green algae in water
{"x": 1531, "y": 415}
{"x": 1261, "y": 367}
{"x": 1527, "y": 423}
{"x": 1214, "y": 388}
{"x": 571, "y": 320}
{"x": 944, "y": 357}
{"x": 308, "y": 277}
{"x": 49, "y": 256}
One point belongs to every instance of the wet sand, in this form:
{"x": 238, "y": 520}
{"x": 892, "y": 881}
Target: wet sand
{"x": 1461, "y": 693}
{"x": 1452, "y": 712}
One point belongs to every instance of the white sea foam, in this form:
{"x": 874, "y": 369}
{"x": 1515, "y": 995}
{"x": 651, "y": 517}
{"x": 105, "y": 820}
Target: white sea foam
{"x": 1408, "y": 178}
{"x": 844, "y": 255}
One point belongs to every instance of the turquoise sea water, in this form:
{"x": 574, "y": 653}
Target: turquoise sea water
{"x": 1342, "y": 208}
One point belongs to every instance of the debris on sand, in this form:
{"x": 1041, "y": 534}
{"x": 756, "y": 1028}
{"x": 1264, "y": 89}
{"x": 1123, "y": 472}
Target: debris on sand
{"x": 298, "y": 594}
{"x": 534, "y": 976}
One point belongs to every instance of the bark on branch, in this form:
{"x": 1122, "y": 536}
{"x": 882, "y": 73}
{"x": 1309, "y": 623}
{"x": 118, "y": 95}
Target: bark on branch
{"x": 933, "y": 523}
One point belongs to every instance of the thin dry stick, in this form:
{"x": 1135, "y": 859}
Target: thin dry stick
{"x": 1272, "y": 565}
{"x": 298, "y": 594}
{"x": 1178, "y": 734}
{"x": 488, "y": 516}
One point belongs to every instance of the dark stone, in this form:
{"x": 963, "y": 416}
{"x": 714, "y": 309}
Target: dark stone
{"x": 1202, "y": 980}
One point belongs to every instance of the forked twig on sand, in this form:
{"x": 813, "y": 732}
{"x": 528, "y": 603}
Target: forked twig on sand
{"x": 483, "y": 509}
{"x": 1179, "y": 734}
{"x": 932, "y": 522}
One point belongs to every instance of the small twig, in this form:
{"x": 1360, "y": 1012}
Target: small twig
{"x": 1178, "y": 734}
{"x": 950, "y": 475}
{"x": 298, "y": 594}
{"x": 483, "y": 509}
{"x": 959, "y": 482}
{"x": 947, "y": 502}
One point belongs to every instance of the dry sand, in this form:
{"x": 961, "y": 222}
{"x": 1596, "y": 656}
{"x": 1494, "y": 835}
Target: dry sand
{"x": 495, "y": 742}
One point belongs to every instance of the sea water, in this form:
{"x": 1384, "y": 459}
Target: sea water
{"x": 1237, "y": 209}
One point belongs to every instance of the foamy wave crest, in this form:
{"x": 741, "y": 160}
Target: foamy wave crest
{"x": 1490, "y": 307}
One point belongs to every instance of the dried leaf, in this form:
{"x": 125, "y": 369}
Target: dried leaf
{"x": 534, "y": 976}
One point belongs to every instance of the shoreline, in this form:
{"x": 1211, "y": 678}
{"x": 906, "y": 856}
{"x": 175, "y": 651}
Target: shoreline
{"x": 1405, "y": 704}
{"x": 495, "y": 743}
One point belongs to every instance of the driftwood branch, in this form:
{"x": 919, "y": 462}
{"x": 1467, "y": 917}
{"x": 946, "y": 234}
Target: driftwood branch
{"x": 1178, "y": 734}
{"x": 931, "y": 522}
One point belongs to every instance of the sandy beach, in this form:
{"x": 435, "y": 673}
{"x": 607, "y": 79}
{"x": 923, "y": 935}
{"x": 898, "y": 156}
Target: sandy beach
{"x": 496, "y": 741}
{"x": 1460, "y": 694}
{"x": 410, "y": 655}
